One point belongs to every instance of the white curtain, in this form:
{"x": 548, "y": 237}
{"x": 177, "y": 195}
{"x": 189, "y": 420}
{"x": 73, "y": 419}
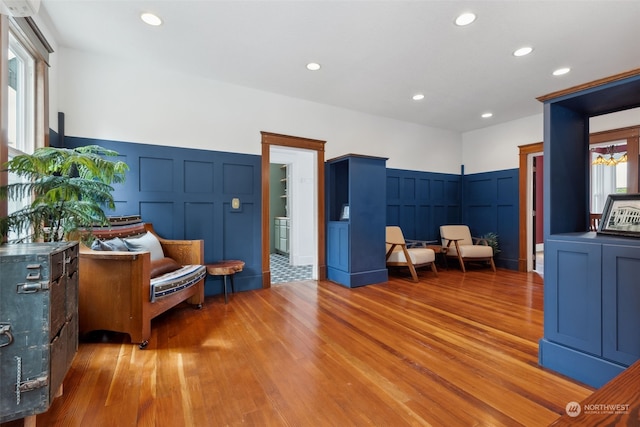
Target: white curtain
{"x": 603, "y": 183}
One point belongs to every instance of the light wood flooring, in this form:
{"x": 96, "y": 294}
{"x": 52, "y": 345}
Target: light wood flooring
{"x": 453, "y": 350}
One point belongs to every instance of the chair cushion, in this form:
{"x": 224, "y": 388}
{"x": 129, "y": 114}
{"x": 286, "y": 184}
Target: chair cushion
{"x": 472, "y": 251}
{"x": 418, "y": 256}
{"x": 147, "y": 242}
{"x": 175, "y": 281}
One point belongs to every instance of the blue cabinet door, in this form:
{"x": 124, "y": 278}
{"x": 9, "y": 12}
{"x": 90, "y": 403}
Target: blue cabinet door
{"x": 621, "y": 303}
{"x": 572, "y": 295}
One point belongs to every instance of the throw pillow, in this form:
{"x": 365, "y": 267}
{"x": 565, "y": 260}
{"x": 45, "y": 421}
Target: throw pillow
{"x": 163, "y": 266}
{"x": 147, "y": 242}
{"x": 115, "y": 244}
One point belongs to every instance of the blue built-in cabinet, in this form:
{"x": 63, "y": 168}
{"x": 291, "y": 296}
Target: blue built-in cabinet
{"x": 356, "y": 220}
{"x": 187, "y": 194}
{"x": 592, "y": 290}
{"x": 591, "y": 306}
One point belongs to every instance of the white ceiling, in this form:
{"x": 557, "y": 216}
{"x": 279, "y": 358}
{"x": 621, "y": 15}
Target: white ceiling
{"x": 375, "y": 54}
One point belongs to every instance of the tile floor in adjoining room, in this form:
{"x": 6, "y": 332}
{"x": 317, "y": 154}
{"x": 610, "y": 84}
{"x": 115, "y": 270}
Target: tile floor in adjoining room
{"x": 283, "y": 272}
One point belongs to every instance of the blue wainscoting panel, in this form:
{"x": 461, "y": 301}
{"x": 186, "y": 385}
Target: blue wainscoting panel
{"x": 491, "y": 206}
{"x": 160, "y": 214}
{"x": 198, "y": 176}
{"x": 419, "y": 202}
{"x": 187, "y": 193}
{"x": 198, "y": 224}
{"x": 573, "y": 295}
{"x": 621, "y": 303}
{"x": 156, "y": 174}
{"x": 338, "y": 251}
{"x": 238, "y": 179}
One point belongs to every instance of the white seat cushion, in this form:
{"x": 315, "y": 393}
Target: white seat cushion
{"x": 418, "y": 255}
{"x": 472, "y": 251}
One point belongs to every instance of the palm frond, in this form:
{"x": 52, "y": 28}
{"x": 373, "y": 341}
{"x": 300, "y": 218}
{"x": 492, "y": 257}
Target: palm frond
{"x": 69, "y": 189}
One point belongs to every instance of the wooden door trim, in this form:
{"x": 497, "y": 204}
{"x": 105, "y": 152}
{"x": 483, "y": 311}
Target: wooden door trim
{"x": 525, "y": 150}
{"x": 273, "y": 139}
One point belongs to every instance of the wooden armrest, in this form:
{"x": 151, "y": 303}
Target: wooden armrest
{"x": 185, "y": 252}
{"x": 419, "y": 243}
{"x": 449, "y": 241}
{"x": 393, "y": 246}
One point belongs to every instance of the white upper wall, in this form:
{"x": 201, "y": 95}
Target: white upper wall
{"x": 105, "y": 98}
{"x": 496, "y": 147}
{"x": 615, "y": 120}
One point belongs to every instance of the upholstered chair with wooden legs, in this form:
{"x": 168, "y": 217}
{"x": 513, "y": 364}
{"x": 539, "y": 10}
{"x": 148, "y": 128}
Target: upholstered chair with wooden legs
{"x": 398, "y": 255}
{"x": 457, "y": 241}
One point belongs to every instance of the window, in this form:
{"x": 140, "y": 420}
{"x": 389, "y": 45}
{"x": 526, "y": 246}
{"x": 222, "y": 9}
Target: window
{"x": 21, "y": 91}
{"x": 21, "y": 111}
{"x": 24, "y": 108}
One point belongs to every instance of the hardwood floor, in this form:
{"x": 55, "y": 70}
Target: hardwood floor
{"x": 453, "y": 350}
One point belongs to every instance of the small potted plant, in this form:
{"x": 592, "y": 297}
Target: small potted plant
{"x": 492, "y": 240}
{"x": 68, "y": 187}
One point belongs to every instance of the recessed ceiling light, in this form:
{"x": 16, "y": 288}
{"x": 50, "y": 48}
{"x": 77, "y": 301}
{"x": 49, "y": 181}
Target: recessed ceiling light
{"x": 151, "y": 19}
{"x": 486, "y": 115}
{"x": 313, "y": 66}
{"x": 417, "y": 97}
{"x": 523, "y": 51}
{"x": 561, "y": 71}
{"x": 465, "y": 19}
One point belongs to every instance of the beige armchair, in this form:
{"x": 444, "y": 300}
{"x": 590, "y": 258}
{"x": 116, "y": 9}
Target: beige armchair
{"x": 459, "y": 244}
{"x": 398, "y": 255}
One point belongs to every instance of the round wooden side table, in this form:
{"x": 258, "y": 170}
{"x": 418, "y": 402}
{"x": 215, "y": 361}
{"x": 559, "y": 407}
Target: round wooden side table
{"x": 225, "y": 268}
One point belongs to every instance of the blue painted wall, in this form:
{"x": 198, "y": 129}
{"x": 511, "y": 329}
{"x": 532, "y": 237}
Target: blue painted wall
{"x": 420, "y": 202}
{"x": 186, "y": 194}
{"x": 490, "y": 204}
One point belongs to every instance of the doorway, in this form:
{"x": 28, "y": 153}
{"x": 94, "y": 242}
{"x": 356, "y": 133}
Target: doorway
{"x": 296, "y": 145}
{"x": 527, "y": 246}
{"x": 537, "y": 214}
{"x": 293, "y": 197}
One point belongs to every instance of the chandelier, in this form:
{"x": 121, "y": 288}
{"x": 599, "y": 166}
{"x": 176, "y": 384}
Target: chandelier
{"x": 611, "y": 161}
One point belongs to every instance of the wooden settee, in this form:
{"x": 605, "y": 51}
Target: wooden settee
{"x": 116, "y": 291}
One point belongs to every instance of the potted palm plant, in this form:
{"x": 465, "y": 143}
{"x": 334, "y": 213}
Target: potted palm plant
{"x": 69, "y": 188}
{"x": 492, "y": 240}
